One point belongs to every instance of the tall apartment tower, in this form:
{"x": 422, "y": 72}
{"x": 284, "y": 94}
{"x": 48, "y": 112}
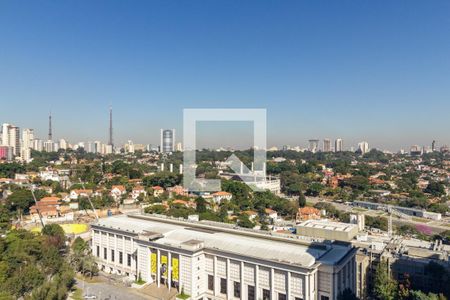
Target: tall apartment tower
{"x": 363, "y": 147}
{"x": 338, "y": 145}
{"x": 313, "y": 145}
{"x": 167, "y": 140}
{"x": 326, "y": 145}
{"x": 11, "y": 138}
{"x": 27, "y": 143}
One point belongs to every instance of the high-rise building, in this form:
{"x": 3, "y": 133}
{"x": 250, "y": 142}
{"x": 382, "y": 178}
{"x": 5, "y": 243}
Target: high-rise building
{"x": 313, "y": 145}
{"x": 11, "y": 138}
{"x": 167, "y": 140}
{"x": 63, "y": 144}
{"x": 326, "y": 145}
{"x": 363, "y": 147}
{"x": 339, "y": 145}
{"x": 179, "y": 147}
{"x": 129, "y": 147}
{"x": 49, "y": 146}
{"x": 27, "y": 143}
{"x": 433, "y": 146}
{"x": 38, "y": 145}
{"x": 6, "y": 153}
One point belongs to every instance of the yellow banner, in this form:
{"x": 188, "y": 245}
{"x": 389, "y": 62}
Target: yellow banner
{"x": 153, "y": 263}
{"x": 175, "y": 272}
{"x": 164, "y": 262}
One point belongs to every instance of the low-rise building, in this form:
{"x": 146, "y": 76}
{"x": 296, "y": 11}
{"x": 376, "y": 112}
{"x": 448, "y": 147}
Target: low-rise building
{"x": 217, "y": 261}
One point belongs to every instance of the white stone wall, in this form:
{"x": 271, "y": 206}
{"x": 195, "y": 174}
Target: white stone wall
{"x": 185, "y": 273}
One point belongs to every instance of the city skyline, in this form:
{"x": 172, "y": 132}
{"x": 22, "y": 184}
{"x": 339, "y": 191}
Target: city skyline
{"x": 372, "y": 74}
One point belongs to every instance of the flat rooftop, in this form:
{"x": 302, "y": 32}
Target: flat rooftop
{"x": 180, "y": 234}
{"x": 328, "y": 225}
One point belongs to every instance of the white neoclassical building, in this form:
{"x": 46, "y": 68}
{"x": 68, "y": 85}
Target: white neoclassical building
{"x": 215, "y": 261}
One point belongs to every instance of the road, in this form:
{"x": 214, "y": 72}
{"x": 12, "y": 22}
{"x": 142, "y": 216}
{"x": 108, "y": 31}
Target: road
{"x": 105, "y": 290}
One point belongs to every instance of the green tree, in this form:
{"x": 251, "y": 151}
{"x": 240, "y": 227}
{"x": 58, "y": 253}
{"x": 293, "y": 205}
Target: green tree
{"x": 385, "y": 287}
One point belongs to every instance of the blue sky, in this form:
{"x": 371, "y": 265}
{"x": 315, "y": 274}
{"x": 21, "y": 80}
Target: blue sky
{"x": 361, "y": 70}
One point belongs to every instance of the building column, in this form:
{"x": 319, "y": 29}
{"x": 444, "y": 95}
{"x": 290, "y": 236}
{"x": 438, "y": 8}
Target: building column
{"x": 169, "y": 269}
{"x": 288, "y": 285}
{"x": 272, "y": 284}
{"x": 180, "y": 274}
{"x": 216, "y": 281}
{"x": 257, "y": 282}
{"x": 158, "y": 267}
{"x": 306, "y": 289}
{"x": 229, "y": 294}
{"x": 242, "y": 281}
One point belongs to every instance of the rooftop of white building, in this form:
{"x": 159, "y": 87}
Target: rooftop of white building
{"x": 249, "y": 243}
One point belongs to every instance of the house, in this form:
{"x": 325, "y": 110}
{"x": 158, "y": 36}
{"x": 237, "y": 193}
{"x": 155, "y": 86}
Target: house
{"x": 47, "y": 207}
{"x": 178, "y": 190}
{"x": 218, "y": 197}
{"x": 157, "y": 191}
{"x": 272, "y": 214}
{"x": 251, "y": 214}
{"x": 75, "y": 194}
{"x": 183, "y": 203}
{"x": 117, "y": 191}
{"x": 308, "y": 213}
{"x": 137, "y": 191}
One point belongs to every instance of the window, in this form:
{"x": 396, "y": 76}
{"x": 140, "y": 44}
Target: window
{"x": 266, "y": 294}
{"x": 105, "y": 254}
{"x": 120, "y": 257}
{"x": 223, "y": 286}
{"x": 237, "y": 289}
{"x": 129, "y": 260}
{"x": 251, "y": 292}
{"x": 298, "y": 298}
{"x": 211, "y": 282}
{"x": 98, "y": 251}
{"x": 324, "y": 298}
{"x": 112, "y": 255}
{"x": 281, "y": 296}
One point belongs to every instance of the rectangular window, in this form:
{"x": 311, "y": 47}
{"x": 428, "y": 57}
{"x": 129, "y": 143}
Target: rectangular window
{"x": 105, "y": 254}
{"x": 98, "y": 251}
{"x": 112, "y": 255}
{"x": 223, "y": 286}
{"x": 251, "y": 292}
{"x": 129, "y": 260}
{"x": 324, "y": 298}
{"x": 237, "y": 289}
{"x": 266, "y": 294}
{"x": 281, "y": 296}
{"x": 298, "y": 298}
{"x": 120, "y": 257}
{"x": 211, "y": 282}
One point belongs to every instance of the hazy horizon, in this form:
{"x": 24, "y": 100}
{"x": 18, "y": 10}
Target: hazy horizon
{"x": 361, "y": 71}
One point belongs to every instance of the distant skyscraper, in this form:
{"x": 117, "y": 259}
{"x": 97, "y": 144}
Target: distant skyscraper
{"x": 433, "y": 146}
{"x": 363, "y": 147}
{"x": 11, "y": 138}
{"x": 339, "y": 145}
{"x": 167, "y": 140}
{"x": 63, "y": 144}
{"x": 313, "y": 145}
{"x": 326, "y": 145}
{"x": 27, "y": 143}
{"x": 110, "y": 142}
{"x": 179, "y": 147}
